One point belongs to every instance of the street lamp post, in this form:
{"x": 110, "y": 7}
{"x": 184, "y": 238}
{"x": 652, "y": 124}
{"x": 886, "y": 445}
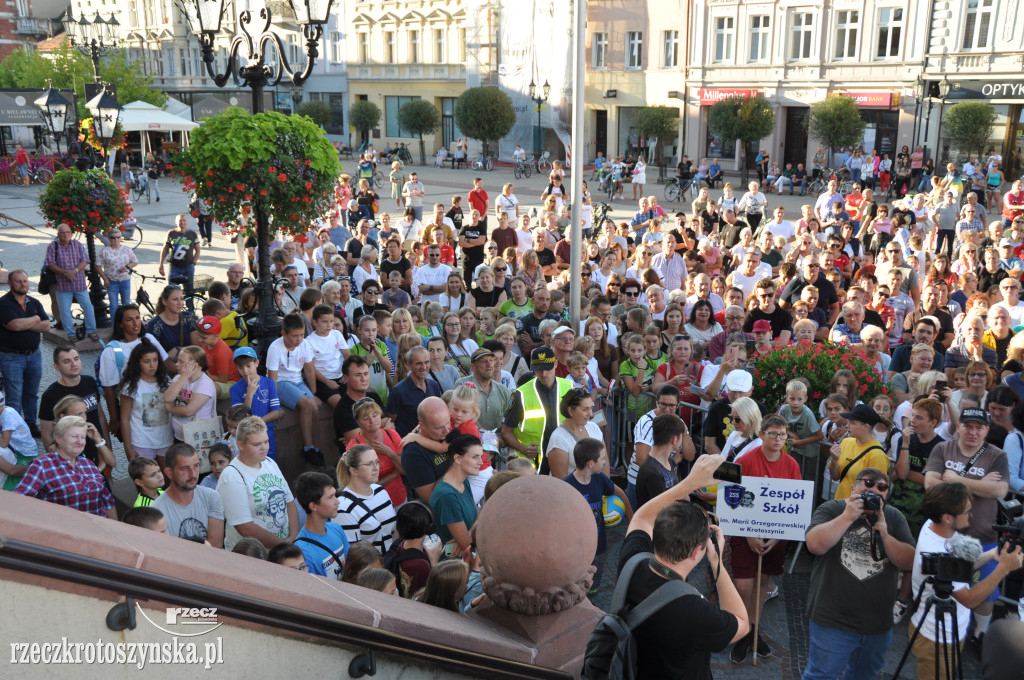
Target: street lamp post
{"x": 539, "y": 102}
{"x": 92, "y": 38}
{"x": 105, "y": 111}
{"x": 55, "y": 112}
{"x": 266, "y": 62}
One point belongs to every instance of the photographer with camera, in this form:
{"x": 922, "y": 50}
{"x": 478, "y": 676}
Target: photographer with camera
{"x": 862, "y": 544}
{"x": 950, "y": 557}
{"x": 984, "y": 469}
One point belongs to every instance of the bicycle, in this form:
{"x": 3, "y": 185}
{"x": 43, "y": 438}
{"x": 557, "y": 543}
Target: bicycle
{"x": 482, "y": 163}
{"x": 140, "y": 188}
{"x": 195, "y": 293}
{"x": 543, "y": 164}
{"x": 42, "y": 174}
{"x": 674, "y": 191}
{"x": 378, "y": 179}
{"x": 142, "y": 298}
{"x": 606, "y": 184}
{"x": 522, "y": 169}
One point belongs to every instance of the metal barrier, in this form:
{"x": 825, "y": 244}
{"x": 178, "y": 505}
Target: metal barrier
{"x": 624, "y": 410}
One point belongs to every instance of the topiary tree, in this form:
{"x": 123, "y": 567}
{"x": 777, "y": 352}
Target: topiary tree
{"x": 746, "y": 119}
{"x": 364, "y": 115}
{"x": 836, "y": 121}
{"x": 484, "y": 113}
{"x": 657, "y": 122}
{"x": 419, "y": 117}
{"x": 968, "y": 126}
{"x": 319, "y": 111}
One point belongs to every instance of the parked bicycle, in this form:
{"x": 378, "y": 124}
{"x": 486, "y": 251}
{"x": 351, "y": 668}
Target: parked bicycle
{"x": 543, "y": 164}
{"x": 522, "y": 169}
{"x": 482, "y": 163}
{"x": 42, "y": 175}
{"x": 674, "y": 190}
{"x": 142, "y": 298}
{"x": 140, "y": 186}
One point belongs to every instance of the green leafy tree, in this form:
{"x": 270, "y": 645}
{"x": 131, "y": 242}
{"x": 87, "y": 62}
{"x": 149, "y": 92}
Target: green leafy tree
{"x": 837, "y": 122}
{"x": 364, "y": 115}
{"x": 746, "y": 119}
{"x": 67, "y": 68}
{"x": 419, "y": 117}
{"x": 320, "y": 111}
{"x": 485, "y": 113}
{"x": 657, "y": 122}
{"x": 968, "y": 126}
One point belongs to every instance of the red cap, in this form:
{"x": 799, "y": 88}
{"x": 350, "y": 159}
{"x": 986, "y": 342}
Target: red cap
{"x": 209, "y": 324}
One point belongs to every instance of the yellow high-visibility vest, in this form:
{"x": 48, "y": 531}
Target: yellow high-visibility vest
{"x": 534, "y": 421}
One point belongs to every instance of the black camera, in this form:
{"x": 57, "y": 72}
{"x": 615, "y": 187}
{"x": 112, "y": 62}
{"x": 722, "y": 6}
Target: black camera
{"x": 945, "y": 567}
{"x": 872, "y": 501}
{"x": 1011, "y": 523}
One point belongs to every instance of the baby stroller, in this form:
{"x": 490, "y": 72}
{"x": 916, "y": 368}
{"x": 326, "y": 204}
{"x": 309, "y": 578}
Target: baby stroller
{"x": 140, "y": 186}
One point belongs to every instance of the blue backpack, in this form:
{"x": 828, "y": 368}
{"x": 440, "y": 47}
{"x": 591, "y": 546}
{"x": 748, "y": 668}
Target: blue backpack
{"x": 118, "y": 357}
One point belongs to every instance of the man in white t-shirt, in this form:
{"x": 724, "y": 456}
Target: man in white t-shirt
{"x": 192, "y": 512}
{"x": 947, "y": 506}
{"x": 432, "y": 278}
{"x": 257, "y": 501}
{"x": 779, "y": 226}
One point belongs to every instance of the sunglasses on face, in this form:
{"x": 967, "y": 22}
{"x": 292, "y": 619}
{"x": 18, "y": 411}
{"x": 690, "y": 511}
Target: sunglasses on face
{"x": 879, "y": 484}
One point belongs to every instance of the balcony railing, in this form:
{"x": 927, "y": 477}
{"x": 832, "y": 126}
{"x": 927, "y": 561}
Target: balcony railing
{"x": 32, "y": 26}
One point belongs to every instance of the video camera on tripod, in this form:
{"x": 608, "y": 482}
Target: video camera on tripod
{"x": 1011, "y": 523}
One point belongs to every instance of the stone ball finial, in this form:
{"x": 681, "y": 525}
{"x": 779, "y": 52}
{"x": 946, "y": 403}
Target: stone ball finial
{"x": 536, "y": 539}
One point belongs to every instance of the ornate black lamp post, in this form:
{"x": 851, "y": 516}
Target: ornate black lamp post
{"x": 539, "y": 101}
{"x": 265, "y": 62}
{"x": 55, "y": 113}
{"x": 92, "y": 38}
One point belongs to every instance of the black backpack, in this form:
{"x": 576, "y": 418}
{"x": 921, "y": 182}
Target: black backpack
{"x": 611, "y": 650}
{"x": 393, "y": 558}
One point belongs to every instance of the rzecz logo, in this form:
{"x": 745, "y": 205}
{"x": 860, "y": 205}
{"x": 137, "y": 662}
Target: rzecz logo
{"x": 186, "y": 621}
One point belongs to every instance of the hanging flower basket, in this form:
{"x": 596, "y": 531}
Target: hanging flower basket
{"x": 87, "y": 201}
{"x": 87, "y": 135}
{"x": 818, "y": 362}
{"x": 285, "y": 162}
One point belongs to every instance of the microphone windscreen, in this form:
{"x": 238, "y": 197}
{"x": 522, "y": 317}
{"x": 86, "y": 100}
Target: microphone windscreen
{"x": 965, "y": 547}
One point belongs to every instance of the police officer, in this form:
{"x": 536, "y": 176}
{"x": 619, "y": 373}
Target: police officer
{"x": 534, "y": 410}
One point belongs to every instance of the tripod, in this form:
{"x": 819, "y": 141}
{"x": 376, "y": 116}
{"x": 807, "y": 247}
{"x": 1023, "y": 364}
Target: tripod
{"x": 947, "y": 651}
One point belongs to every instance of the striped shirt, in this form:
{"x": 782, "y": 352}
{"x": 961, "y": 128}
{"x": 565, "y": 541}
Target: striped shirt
{"x": 643, "y": 433}
{"x": 367, "y": 518}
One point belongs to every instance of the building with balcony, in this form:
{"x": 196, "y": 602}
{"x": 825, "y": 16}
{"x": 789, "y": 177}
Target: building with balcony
{"x": 797, "y": 52}
{"x": 975, "y": 52}
{"x": 25, "y": 22}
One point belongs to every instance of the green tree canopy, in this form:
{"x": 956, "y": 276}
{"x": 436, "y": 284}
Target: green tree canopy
{"x": 968, "y": 125}
{"x": 747, "y": 119}
{"x": 485, "y": 113}
{"x": 837, "y": 122}
{"x": 67, "y": 68}
{"x": 364, "y": 115}
{"x": 419, "y": 117}
{"x": 318, "y": 110}
{"x": 660, "y": 122}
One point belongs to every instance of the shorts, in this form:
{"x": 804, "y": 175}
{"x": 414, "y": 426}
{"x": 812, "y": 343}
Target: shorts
{"x": 323, "y": 392}
{"x": 290, "y": 393}
{"x": 151, "y": 453}
{"x": 23, "y": 170}
{"x": 984, "y": 570}
{"x": 744, "y": 560}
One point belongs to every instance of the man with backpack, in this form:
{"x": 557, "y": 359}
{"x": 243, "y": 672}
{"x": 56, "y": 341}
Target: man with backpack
{"x": 665, "y": 540}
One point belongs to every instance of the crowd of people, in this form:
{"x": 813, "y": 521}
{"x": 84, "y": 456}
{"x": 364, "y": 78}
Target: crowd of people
{"x": 443, "y": 348}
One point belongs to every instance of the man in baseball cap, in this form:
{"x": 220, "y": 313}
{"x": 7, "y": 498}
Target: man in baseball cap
{"x": 220, "y": 364}
{"x": 534, "y": 411}
{"x": 493, "y": 397}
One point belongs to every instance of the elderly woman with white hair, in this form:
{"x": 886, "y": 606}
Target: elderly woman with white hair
{"x": 365, "y": 270}
{"x": 873, "y": 341}
{"x": 64, "y": 476}
{"x": 114, "y": 261}
{"x": 849, "y": 332}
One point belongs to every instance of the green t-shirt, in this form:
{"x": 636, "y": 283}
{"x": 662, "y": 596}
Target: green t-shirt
{"x": 510, "y": 308}
{"x": 378, "y": 376}
{"x": 451, "y": 507}
{"x": 803, "y": 425}
{"x": 639, "y": 405}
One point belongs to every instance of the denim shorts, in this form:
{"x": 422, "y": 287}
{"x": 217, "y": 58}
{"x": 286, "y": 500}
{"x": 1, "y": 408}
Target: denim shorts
{"x": 291, "y": 392}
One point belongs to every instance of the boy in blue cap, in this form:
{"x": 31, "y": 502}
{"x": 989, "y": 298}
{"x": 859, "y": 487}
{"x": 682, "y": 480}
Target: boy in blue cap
{"x": 257, "y": 392}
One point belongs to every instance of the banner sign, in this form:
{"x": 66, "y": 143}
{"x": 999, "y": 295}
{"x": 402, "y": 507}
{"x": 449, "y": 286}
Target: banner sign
{"x": 710, "y": 96}
{"x": 766, "y": 508}
{"x": 872, "y": 99}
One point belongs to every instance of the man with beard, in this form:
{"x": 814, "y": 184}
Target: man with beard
{"x": 192, "y": 512}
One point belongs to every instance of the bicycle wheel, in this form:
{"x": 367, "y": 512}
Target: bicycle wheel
{"x": 527, "y": 170}
{"x": 3, "y": 220}
{"x": 518, "y": 172}
{"x": 378, "y": 179}
{"x": 543, "y": 165}
{"x": 194, "y": 302}
{"x": 136, "y": 237}
{"x": 44, "y": 175}
{"x": 490, "y": 164}
{"x": 672, "y": 191}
